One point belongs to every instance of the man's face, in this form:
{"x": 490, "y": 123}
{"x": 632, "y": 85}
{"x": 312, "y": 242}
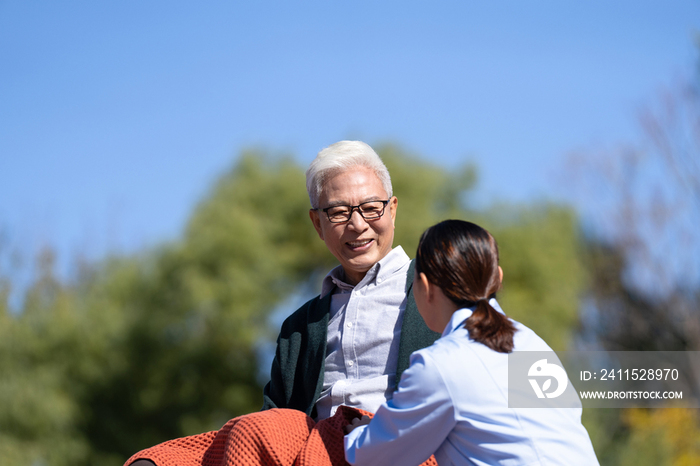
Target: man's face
{"x": 357, "y": 244}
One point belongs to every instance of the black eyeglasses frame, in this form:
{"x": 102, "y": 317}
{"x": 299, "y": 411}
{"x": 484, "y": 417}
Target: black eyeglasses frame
{"x": 352, "y": 209}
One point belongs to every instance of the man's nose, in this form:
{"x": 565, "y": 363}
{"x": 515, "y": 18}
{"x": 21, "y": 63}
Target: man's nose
{"x": 357, "y": 221}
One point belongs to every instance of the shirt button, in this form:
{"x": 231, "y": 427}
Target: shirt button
{"x": 349, "y": 325}
{"x": 350, "y": 363}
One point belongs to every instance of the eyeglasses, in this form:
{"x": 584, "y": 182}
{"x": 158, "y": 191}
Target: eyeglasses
{"x": 371, "y": 210}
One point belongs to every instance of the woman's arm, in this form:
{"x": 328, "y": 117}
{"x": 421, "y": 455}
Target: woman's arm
{"x": 409, "y": 428}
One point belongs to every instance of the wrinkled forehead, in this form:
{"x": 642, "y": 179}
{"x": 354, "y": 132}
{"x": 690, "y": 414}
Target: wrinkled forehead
{"x": 355, "y": 184}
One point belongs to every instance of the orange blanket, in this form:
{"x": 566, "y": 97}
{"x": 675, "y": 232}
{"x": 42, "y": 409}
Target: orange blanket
{"x": 277, "y": 437}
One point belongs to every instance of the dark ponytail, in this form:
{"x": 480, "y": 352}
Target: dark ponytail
{"x": 462, "y": 259}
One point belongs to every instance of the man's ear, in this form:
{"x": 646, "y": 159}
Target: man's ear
{"x": 393, "y": 205}
{"x": 316, "y": 220}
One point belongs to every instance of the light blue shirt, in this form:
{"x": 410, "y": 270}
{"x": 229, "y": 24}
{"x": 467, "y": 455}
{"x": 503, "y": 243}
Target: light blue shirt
{"x": 364, "y": 331}
{"x": 453, "y": 402}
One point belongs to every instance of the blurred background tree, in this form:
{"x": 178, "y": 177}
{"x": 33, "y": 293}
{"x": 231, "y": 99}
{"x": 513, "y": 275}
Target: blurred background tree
{"x": 175, "y": 338}
{"x": 173, "y": 341}
{"x": 641, "y": 250}
{"x": 144, "y": 349}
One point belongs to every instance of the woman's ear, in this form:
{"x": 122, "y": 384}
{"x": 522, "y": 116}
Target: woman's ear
{"x": 425, "y": 285}
{"x": 500, "y": 274}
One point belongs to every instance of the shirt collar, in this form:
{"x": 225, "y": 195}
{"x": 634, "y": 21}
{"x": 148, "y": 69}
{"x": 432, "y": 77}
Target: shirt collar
{"x": 463, "y": 314}
{"x": 379, "y": 272}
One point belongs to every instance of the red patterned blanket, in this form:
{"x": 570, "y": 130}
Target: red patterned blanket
{"x": 277, "y": 437}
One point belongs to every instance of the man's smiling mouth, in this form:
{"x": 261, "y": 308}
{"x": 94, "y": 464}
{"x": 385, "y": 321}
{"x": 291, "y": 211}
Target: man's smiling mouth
{"x": 359, "y": 244}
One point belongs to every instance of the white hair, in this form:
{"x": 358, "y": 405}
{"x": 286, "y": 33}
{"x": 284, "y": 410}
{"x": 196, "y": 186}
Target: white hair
{"x": 339, "y": 157}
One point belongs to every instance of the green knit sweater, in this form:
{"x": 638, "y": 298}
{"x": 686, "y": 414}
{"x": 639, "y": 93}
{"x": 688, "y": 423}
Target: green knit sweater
{"x": 297, "y": 370}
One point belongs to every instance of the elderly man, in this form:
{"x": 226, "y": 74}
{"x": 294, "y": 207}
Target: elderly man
{"x": 349, "y": 345}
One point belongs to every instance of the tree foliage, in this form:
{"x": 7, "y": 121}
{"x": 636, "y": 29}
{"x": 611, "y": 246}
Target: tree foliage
{"x": 141, "y": 349}
{"x": 642, "y": 254}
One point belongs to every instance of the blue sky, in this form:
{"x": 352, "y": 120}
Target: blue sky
{"x": 116, "y": 117}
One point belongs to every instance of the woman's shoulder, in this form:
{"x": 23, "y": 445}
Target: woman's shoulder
{"x": 457, "y": 353}
{"x": 526, "y": 339}
{"x": 457, "y": 349}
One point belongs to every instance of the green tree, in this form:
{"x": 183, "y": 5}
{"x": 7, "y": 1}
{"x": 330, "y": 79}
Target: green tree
{"x": 39, "y": 405}
{"x": 543, "y": 277}
{"x": 143, "y": 349}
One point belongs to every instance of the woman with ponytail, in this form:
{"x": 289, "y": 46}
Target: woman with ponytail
{"x": 452, "y": 401}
